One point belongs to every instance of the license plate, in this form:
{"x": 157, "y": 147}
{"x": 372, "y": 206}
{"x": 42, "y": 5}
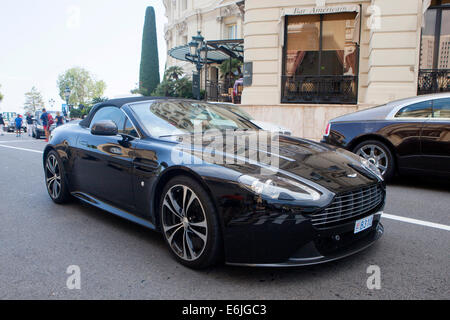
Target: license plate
{"x": 363, "y": 224}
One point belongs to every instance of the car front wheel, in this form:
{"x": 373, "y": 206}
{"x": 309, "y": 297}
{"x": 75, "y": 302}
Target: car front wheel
{"x": 55, "y": 179}
{"x": 189, "y": 223}
{"x": 378, "y": 154}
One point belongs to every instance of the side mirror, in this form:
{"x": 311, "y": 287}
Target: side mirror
{"x": 104, "y": 128}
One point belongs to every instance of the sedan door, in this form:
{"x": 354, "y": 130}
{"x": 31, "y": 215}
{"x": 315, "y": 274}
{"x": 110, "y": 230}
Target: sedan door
{"x": 435, "y": 139}
{"x": 104, "y": 165}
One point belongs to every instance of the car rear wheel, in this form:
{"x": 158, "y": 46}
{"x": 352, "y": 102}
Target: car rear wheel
{"x": 55, "y": 179}
{"x": 378, "y": 154}
{"x": 189, "y": 223}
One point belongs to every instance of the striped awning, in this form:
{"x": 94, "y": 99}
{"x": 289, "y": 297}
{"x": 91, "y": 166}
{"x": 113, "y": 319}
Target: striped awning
{"x": 218, "y": 51}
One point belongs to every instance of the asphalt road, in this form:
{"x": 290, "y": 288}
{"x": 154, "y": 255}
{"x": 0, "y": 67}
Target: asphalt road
{"x": 121, "y": 260}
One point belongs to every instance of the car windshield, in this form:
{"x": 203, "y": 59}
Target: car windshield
{"x": 169, "y": 118}
{"x": 239, "y": 112}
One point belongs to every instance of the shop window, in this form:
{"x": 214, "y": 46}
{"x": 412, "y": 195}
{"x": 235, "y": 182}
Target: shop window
{"x": 434, "y": 67}
{"x": 321, "y": 56}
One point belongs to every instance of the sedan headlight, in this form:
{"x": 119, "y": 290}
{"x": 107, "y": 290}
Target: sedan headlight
{"x": 278, "y": 188}
{"x": 371, "y": 167}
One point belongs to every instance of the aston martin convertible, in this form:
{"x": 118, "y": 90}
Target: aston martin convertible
{"x": 216, "y": 186}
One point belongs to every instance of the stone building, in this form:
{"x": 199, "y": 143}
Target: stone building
{"x": 312, "y": 60}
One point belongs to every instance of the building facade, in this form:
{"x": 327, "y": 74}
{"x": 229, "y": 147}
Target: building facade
{"x": 313, "y": 60}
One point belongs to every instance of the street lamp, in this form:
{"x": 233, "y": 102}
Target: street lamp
{"x": 67, "y": 96}
{"x": 198, "y": 53}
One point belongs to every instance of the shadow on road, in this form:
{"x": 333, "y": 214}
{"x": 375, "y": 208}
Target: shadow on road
{"x": 422, "y": 182}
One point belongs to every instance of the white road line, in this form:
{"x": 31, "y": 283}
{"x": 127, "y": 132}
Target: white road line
{"x": 23, "y": 149}
{"x": 13, "y": 141}
{"x": 416, "y": 221}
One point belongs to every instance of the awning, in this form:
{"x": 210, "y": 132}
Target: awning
{"x": 218, "y": 51}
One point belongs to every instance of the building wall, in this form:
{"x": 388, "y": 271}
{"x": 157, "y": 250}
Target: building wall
{"x": 388, "y": 64}
{"x": 211, "y": 17}
{"x": 388, "y": 60}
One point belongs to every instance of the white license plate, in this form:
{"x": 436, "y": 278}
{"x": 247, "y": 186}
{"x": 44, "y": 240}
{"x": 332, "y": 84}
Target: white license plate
{"x": 363, "y": 224}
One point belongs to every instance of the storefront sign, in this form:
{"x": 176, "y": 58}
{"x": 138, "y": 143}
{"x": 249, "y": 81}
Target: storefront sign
{"x": 319, "y": 10}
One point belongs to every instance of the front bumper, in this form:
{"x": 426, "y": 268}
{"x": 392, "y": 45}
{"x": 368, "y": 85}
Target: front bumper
{"x": 309, "y": 254}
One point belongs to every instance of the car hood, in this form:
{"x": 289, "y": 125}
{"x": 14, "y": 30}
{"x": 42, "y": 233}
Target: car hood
{"x": 335, "y": 169}
{"x": 268, "y": 126}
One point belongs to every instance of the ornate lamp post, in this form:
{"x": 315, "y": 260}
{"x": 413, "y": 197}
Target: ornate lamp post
{"x": 198, "y": 56}
{"x": 67, "y": 96}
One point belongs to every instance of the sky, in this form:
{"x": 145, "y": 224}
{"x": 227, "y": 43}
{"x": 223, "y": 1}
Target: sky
{"x": 40, "y": 39}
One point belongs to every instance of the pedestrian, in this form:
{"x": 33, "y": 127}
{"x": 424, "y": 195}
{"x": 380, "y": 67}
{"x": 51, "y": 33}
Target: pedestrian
{"x": 44, "y": 119}
{"x": 59, "y": 119}
{"x": 2, "y": 124}
{"x": 29, "y": 120}
{"x": 18, "y": 122}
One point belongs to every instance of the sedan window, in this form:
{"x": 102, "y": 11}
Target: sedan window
{"x": 441, "y": 108}
{"x": 416, "y": 110}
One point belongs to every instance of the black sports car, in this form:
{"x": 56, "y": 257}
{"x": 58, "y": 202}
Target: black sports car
{"x": 405, "y": 136}
{"x": 311, "y": 203}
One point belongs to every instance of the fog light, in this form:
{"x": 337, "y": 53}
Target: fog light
{"x": 337, "y": 237}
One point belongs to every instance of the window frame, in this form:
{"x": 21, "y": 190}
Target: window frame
{"x": 120, "y": 110}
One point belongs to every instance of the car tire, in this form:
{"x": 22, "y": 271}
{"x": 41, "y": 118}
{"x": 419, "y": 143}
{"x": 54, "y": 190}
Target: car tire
{"x": 55, "y": 178}
{"x": 193, "y": 235}
{"x": 379, "y": 154}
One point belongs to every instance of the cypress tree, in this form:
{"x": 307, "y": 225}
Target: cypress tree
{"x": 149, "y": 73}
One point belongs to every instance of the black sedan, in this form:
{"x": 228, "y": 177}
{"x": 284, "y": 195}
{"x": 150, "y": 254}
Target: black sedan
{"x": 150, "y": 160}
{"x": 409, "y": 136}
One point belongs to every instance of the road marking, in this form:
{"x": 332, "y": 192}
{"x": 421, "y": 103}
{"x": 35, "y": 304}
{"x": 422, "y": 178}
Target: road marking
{"x": 9, "y": 141}
{"x": 23, "y": 149}
{"x": 416, "y": 221}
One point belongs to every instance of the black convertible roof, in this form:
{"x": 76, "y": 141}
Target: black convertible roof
{"x": 120, "y": 102}
{"x": 123, "y": 101}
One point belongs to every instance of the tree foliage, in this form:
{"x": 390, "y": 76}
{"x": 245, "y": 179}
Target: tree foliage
{"x": 233, "y": 71}
{"x": 1, "y": 95}
{"x": 175, "y": 84}
{"x": 83, "y": 86}
{"x": 33, "y": 100}
{"x": 149, "y": 69}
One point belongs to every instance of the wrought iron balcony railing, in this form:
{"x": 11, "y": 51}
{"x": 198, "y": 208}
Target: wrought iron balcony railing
{"x": 433, "y": 81}
{"x": 320, "y": 89}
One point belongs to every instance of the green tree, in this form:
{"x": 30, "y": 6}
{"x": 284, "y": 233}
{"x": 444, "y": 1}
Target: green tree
{"x": 83, "y": 86}
{"x": 173, "y": 73}
{"x": 33, "y": 101}
{"x": 1, "y": 95}
{"x": 149, "y": 72}
{"x": 227, "y": 71}
{"x": 175, "y": 84}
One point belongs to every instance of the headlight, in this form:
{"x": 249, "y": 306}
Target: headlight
{"x": 278, "y": 188}
{"x": 40, "y": 127}
{"x": 371, "y": 167}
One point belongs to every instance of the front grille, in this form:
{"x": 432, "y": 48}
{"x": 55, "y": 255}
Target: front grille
{"x": 349, "y": 205}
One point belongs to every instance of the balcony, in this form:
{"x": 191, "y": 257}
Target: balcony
{"x": 433, "y": 81}
{"x": 320, "y": 89}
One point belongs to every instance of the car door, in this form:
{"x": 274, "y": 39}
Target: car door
{"x": 435, "y": 138}
{"x": 405, "y": 133}
{"x": 104, "y": 164}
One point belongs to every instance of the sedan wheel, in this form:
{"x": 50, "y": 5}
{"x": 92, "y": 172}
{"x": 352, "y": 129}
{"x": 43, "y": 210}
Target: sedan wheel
{"x": 379, "y": 155}
{"x": 55, "y": 179}
{"x": 189, "y": 223}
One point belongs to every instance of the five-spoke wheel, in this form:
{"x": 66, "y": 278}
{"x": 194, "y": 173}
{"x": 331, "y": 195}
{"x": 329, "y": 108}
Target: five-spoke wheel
{"x": 54, "y": 178}
{"x": 189, "y": 223}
